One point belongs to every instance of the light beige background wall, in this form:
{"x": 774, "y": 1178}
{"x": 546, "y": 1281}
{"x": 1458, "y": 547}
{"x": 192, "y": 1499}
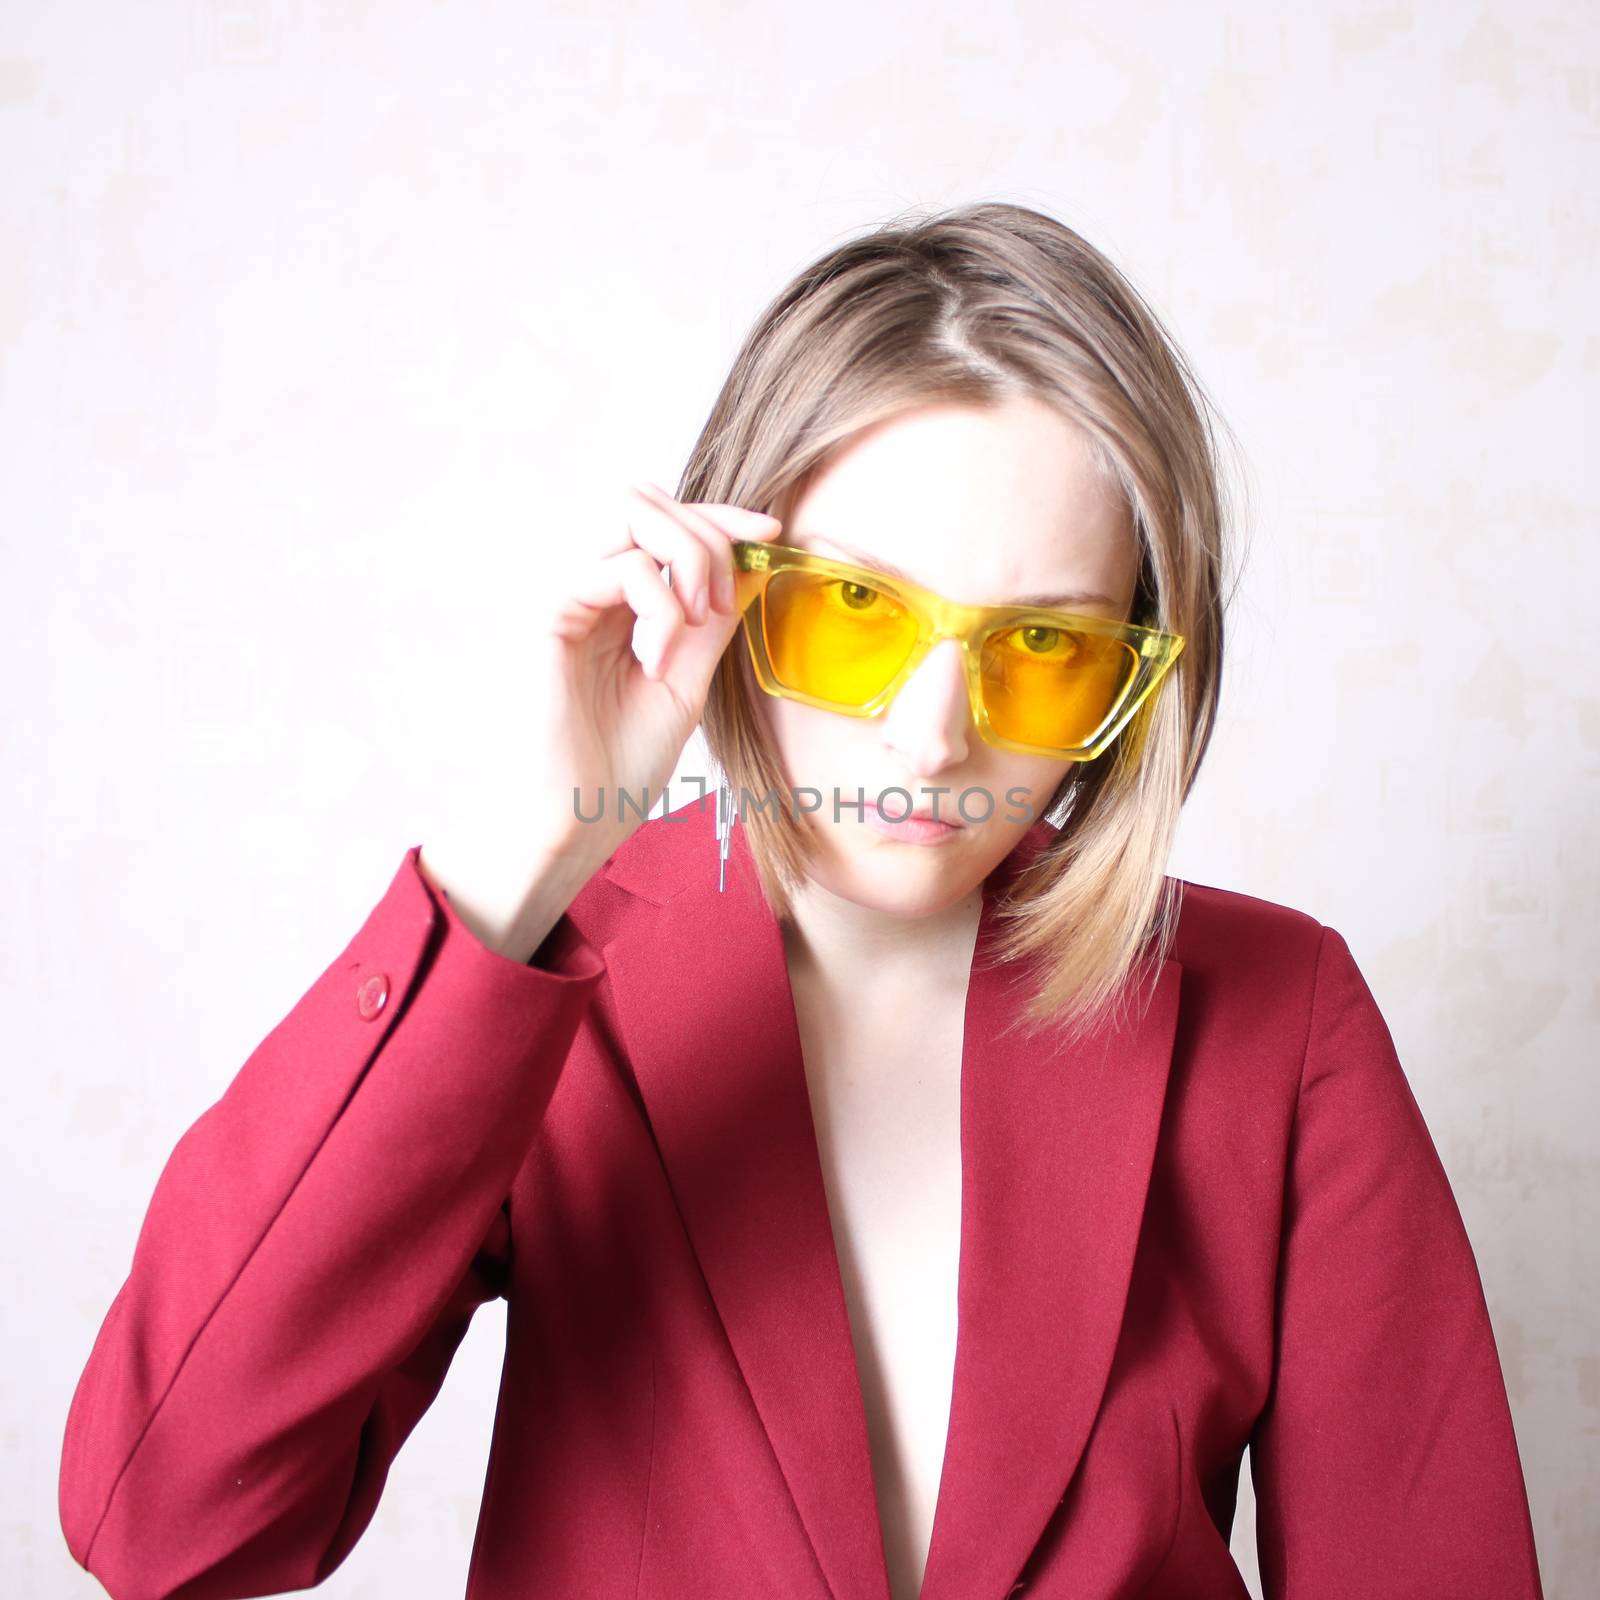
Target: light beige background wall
{"x": 319, "y": 324}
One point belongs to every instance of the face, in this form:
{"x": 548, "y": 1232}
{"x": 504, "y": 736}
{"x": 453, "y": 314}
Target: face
{"x": 986, "y": 505}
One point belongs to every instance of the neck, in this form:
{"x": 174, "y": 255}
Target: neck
{"x": 840, "y": 943}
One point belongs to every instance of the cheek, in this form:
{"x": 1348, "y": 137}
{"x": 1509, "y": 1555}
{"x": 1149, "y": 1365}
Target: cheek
{"x": 810, "y": 742}
{"x": 1029, "y": 781}
{"x": 813, "y": 746}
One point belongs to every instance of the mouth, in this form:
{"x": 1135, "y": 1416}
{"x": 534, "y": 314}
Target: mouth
{"x": 919, "y": 827}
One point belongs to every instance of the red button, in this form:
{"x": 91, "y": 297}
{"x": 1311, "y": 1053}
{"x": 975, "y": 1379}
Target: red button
{"x": 372, "y": 994}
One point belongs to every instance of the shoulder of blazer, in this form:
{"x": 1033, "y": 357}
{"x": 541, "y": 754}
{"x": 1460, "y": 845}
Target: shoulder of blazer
{"x": 1264, "y": 952}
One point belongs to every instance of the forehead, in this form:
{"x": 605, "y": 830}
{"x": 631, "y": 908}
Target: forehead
{"x": 985, "y": 504}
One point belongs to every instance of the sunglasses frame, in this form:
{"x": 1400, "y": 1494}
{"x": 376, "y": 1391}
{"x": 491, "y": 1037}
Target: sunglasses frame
{"x": 757, "y": 562}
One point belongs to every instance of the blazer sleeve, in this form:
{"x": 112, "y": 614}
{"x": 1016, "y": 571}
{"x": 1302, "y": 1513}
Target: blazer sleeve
{"x": 315, "y": 1247}
{"x": 1384, "y": 1462}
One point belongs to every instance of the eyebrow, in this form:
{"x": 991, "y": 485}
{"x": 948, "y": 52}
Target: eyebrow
{"x": 857, "y": 558}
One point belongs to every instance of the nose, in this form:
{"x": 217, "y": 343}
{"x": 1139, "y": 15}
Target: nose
{"x": 928, "y": 722}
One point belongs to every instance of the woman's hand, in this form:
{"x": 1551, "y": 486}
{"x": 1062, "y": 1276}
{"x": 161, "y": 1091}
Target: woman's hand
{"x": 626, "y": 661}
{"x": 620, "y": 663}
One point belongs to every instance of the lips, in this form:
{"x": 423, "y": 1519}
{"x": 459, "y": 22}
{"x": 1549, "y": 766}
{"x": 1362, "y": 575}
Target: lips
{"x": 926, "y": 814}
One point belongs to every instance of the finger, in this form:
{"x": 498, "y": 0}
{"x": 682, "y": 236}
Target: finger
{"x": 670, "y": 539}
{"x": 630, "y": 579}
{"x": 739, "y": 522}
{"x": 658, "y": 625}
{"x": 734, "y": 517}
{"x": 719, "y": 545}
{"x": 718, "y": 524}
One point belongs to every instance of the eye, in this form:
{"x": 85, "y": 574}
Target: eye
{"x": 1039, "y": 640}
{"x": 857, "y": 596}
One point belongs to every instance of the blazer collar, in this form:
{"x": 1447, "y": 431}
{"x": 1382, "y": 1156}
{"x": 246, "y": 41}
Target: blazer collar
{"x": 1057, "y": 1146}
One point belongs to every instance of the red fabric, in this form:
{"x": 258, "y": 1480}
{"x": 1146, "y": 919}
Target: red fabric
{"x": 1218, "y": 1222}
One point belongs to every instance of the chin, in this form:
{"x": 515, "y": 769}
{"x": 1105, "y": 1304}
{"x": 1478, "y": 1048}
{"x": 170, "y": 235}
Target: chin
{"x": 908, "y": 880}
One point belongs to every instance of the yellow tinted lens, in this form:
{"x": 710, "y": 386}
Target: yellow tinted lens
{"x": 1053, "y": 686}
{"x": 833, "y": 638}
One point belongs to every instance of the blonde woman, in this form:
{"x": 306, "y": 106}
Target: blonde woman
{"x": 901, "y": 1185}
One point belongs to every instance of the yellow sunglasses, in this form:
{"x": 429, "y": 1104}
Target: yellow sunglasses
{"x": 845, "y": 638}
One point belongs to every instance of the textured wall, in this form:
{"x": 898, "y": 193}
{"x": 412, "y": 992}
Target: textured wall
{"x": 319, "y": 323}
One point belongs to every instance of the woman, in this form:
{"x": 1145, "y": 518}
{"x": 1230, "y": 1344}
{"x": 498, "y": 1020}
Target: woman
{"x": 884, "y": 1208}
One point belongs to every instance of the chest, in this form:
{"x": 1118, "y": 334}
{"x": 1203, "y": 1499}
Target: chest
{"x": 885, "y": 1088}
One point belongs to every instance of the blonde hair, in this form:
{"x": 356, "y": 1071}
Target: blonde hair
{"x": 973, "y": 305}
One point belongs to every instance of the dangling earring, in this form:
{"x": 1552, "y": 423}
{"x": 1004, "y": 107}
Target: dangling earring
{"x": 1057, "y": 813}
{"x": 726, "y": 815}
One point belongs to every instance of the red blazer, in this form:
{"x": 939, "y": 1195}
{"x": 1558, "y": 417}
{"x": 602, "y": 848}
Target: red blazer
{"x": 1221, "y": 1224}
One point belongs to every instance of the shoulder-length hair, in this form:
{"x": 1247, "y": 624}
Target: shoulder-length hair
{"x": 973, "y": 305}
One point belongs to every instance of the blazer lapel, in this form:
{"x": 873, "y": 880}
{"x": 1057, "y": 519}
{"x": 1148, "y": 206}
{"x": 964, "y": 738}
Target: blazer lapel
{"x": 709, "y": 1021}
{"x": 1057, "y": 1145}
